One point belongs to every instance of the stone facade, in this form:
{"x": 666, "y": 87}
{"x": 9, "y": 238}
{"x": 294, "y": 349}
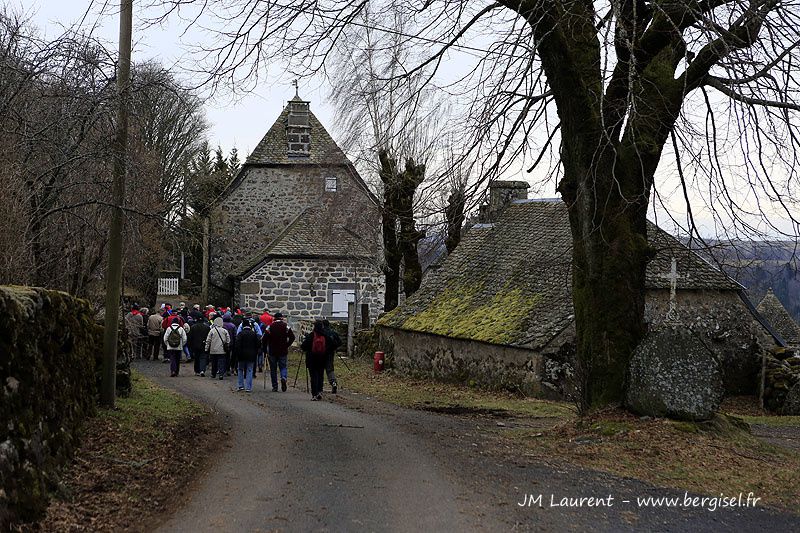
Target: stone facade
{"x": 720, "y": 318}
{"x": 302, "y": 288}
{"x": 465, "y": 361}
{"x": 265, "y": 202}
{"x": 293, "y": 227}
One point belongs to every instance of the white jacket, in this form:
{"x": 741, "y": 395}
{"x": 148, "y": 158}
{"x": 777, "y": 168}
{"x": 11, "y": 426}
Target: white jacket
{"x": 177, "y": 327}
{"x": 217, "y": 338}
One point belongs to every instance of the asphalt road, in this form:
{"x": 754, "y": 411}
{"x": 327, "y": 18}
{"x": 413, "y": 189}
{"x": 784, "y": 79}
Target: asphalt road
{"x": 357, "y": 464}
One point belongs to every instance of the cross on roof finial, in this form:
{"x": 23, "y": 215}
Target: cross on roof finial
{"x": 296, "y": 88}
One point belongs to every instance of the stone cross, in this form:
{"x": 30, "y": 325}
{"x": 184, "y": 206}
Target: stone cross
{"x": 672, "y": 313}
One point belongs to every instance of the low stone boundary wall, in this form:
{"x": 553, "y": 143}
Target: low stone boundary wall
{"x": 49, "y": 345}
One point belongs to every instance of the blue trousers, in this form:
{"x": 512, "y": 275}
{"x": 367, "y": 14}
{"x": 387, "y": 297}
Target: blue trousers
{"x": 245, "y": 368}
{"x": 276, "y": 363}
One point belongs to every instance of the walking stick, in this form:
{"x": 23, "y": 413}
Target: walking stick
{"x": 297, "y": 374}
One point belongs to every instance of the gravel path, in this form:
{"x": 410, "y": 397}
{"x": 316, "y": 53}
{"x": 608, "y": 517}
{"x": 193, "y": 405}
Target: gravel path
{"x": 357, "y": 464}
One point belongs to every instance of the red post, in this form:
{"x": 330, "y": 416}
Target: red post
{"x": 378, "y": 362}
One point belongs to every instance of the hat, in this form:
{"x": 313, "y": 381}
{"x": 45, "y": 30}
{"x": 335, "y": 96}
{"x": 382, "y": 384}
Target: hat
{"x": 196, "y": 306}
{"x": 278, "y": 315}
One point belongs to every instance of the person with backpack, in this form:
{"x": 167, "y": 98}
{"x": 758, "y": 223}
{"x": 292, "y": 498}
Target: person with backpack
{"x": 198, "y": 333}
{"x": 248, "y": 344}
{"x": 174, "y": 340}
{"x": 316, "y": 345}
{"x": 218, "y": 345}
{"x": 336, "y": 341}
{"x": 275, "y": 342}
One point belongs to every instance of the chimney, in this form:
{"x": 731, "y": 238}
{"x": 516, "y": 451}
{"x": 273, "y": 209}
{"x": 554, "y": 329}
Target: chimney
{"x": 501, "y": 194}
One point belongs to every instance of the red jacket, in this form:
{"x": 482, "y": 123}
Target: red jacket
{"x": 278, "y": 337}
{"x": 167, "y": 322}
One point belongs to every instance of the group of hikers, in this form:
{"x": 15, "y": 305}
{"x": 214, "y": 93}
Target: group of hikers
{"x": 233, "y": 342}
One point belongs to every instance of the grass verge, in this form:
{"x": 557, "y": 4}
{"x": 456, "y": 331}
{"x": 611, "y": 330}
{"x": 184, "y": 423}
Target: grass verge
{"x": 133, "y": 462}
{"x": 705, "y": 458}
{"x": 429, "y": 395}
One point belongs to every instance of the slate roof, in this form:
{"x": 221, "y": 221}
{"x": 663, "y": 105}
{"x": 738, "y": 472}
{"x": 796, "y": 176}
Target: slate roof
{"x": 773, "y": 310}
{"x": 310, "y": 235}
{"x": 272, "y": 150}
{"x": 510, "y": 282}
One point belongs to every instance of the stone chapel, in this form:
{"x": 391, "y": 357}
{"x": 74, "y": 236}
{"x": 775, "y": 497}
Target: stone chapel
{"x": 297, "y": 230}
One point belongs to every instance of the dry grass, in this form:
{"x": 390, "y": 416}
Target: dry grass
{"x": 431, "y": 395}
{"x": 706, "y": 458}
{"x": 133, "y": 462}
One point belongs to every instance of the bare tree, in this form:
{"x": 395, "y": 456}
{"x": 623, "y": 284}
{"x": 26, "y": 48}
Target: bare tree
{"x": 599, "y": 91}
{"x": 387, "y": 116}
{"x": 56, "y": 130}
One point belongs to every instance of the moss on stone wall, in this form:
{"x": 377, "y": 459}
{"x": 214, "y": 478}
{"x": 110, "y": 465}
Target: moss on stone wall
{"x": 48, "y": 356}
{"x": 463, "y": 313}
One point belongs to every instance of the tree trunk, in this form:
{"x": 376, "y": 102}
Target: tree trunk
{"x": 391, "y": 248}
{"x": 392, "y": 257}
{"x": 409, "y": 180}
{"x": 454, "y": 215}
{"x": 610, "y": 253}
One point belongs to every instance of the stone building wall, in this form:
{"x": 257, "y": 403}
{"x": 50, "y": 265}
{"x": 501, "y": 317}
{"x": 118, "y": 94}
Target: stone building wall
{"x": 267, "y": 199}
{"x": 463, "y": 361}
{"x": 727, "y": 327}
{"x": 301, "y": 288}
{"x": 720, "y": 318}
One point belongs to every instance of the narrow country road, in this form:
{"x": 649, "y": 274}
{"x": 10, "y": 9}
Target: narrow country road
{"x": 361, "y": 465}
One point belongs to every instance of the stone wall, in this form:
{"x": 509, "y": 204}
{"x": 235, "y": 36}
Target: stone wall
{"x": 49, "y": 345}
{"x": 301, "y": 288}
{"x": 267, "y": 199}
{"x": 720, "y": 319}
{"x": 471, "y": 362}
{"x": 726, "y": 325}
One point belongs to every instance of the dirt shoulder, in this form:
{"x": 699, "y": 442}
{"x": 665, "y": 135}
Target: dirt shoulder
{"x": 134, "y": 463}
{"x": 705, "y": 458}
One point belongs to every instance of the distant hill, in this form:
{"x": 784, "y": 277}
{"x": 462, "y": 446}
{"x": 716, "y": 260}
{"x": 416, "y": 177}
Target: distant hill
{"x": 760, "y": 265}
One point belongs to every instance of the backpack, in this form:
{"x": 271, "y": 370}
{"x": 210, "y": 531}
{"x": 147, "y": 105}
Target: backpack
{"x": 318, "y": 345}
{"x": 174, "y": 337}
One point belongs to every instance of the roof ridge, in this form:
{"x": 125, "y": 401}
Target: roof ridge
{"x": 256, "y": 259}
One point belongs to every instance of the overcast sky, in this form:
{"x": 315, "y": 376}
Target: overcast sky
{"x": 239, "y": 122}
{"x": 243, "y": 120}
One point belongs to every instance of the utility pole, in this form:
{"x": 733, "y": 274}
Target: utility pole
{"x": 114, "y": 269}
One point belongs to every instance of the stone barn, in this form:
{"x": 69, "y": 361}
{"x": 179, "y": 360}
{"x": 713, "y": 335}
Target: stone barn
{"x": 499, "y": 312}
{"x": 297, "y": 230}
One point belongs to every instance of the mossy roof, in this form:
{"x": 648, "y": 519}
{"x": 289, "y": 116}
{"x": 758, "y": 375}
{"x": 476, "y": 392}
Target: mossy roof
{"x": 773, "y": 310}
{"x": 510, "y": 282}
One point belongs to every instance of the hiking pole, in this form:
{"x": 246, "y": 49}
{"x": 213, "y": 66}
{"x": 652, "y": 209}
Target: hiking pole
{"x": 307, "y": 387}
{"x": 344, "y": 362}
{"x": 297, "y": 374}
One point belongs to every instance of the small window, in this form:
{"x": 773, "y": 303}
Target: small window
{"x": 331, "y": 184}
